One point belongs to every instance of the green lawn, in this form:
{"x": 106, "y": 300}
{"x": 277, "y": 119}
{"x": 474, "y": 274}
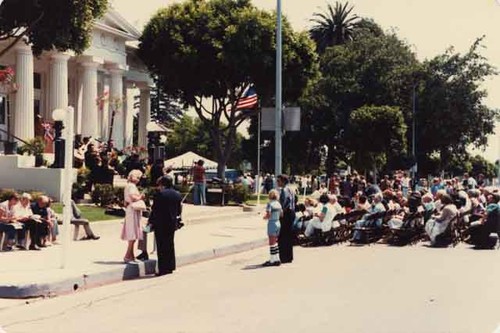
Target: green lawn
{"x": 92, "y": 213}
{"x": 253, "y": 199}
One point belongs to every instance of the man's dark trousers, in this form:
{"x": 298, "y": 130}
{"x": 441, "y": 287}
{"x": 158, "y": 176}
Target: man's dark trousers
{"x": 165, "y": 249}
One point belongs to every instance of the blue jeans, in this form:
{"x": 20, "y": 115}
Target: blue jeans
{"x": 199, "y": 194}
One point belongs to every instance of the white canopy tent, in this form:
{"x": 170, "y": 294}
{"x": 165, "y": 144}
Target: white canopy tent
{"x": 187, "y": 160}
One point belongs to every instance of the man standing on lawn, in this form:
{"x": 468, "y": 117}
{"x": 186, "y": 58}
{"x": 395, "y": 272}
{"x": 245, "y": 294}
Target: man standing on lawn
{"x": 167, "y": 208}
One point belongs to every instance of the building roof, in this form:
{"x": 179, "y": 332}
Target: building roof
{"x": 115, "y": 24}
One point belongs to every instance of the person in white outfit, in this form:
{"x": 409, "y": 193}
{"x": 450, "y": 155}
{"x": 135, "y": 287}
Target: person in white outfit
{"x": 438, "y": 224}
{"x": 324, "y": 219}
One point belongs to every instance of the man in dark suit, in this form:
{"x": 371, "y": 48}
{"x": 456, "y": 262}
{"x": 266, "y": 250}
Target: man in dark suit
{"x": 163, "y": 220}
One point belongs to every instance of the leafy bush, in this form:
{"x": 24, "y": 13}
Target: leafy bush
{"x": 103, "y": 195}
{"x": 239, "y": 193}
{"x": 119, "y": 193}
{"x": 34, "y": 147}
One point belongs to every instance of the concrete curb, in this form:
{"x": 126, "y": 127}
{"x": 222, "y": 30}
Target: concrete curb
{"x": 120, "y": 273}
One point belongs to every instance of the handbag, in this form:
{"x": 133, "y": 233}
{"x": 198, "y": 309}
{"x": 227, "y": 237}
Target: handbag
{"x": 138, "y": 205}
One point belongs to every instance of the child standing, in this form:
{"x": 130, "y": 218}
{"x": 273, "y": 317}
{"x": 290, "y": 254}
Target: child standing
{"x": 273, "y": 214}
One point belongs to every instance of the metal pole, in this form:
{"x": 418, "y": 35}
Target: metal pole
{"x": 67, "y": 185}
{"x": 279, "y": 103}
{"x": 258, "y": 159}
{"x": 414, "y": 130}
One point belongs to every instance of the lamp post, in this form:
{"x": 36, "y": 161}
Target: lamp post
{"x": 66, "y": 116}
{"x": 279, "y": 104}
{"x": 58, "y": 145}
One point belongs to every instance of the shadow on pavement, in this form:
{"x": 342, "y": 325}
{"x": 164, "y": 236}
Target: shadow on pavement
{"x": 252, "y": 267}
{"x": 110, "y": 263}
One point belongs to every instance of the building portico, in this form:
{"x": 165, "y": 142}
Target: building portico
{"x": 102, "y": 81}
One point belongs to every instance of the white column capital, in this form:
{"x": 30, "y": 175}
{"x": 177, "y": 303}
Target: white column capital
{"x": 59, "y": 56}
{"x": 90, "y": 61}
{"x": 23, "y": 48}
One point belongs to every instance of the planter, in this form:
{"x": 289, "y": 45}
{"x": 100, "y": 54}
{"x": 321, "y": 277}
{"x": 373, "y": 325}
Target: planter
{"x": 10, "y": 148}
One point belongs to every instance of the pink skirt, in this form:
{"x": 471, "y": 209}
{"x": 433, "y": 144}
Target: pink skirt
{"x": 132, "y": 228}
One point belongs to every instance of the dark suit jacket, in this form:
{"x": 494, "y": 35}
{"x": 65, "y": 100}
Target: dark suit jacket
{"x": 166, "y": 208}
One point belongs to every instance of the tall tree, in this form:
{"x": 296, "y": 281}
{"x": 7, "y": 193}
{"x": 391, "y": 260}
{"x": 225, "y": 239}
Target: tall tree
{"x": 372, "y": 69}
{"x": 165, "y": 109}
{"x": 335, "y": 26}
{"x": 210, "y": 52}
{"x": 451, "y": 114}
{"x": 375, "y": 132}
{"x": 49, "y": 24}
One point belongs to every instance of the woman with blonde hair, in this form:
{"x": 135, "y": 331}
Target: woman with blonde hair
{"x": 134, "y": 205}
{"x": 273, "y": 213}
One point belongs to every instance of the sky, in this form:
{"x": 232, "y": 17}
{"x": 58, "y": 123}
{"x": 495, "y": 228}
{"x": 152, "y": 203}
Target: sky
{"x": 430, "y": 26}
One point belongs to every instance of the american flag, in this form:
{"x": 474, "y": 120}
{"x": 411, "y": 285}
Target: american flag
{"x": 249, "y": 100}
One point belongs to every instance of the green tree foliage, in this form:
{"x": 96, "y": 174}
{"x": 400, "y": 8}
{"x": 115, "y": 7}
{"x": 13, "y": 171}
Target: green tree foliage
{"x": 191, "y": 134}
{"x": 335, "y": 26}
{"x": 210, "y": 52}
{"x": 451, "y": 114}
{"x": 375, "y": 132}
{"x": 50, "y": 24}
{"x": 371, "y": 69}
{"x": 165, "y": 109}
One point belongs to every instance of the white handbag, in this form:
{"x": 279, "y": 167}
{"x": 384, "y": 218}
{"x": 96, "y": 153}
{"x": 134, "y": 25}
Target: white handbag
{"x": 138, "y": 205}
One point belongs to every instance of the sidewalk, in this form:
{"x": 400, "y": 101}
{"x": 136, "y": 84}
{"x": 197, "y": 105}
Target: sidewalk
{"x": 219, "y": 231}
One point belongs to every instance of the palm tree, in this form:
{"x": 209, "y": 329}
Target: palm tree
{"x": 335, "y": 26}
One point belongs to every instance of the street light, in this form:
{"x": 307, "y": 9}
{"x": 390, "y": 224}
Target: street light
{"x": 66, "y": 117}
{"x": 279, "y": 104}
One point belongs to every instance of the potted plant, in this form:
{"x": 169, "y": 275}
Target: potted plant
{"x": 34, "y": 147}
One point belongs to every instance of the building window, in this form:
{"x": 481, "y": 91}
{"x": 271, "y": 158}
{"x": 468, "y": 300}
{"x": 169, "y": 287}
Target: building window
{"x": 37, "y": 80}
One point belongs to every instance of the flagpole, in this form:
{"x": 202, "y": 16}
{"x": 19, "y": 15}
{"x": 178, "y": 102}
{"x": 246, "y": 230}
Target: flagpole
{"x": 258, "y": 158}
{"x": 279, "y": 103}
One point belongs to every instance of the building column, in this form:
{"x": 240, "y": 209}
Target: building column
{"x": 58, "y": 82}
{"x": 89, "y": 104}
{"x": 144, "y": 116}
{"x": 79, "y": 102}
{"x": 105, "y": 92}
{"x": 24, "y": 109}
{"x": 129, "y": 112}
{"x": 116, "y": 106}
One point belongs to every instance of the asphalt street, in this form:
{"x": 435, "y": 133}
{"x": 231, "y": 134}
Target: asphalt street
{"x": 330, "y": 289}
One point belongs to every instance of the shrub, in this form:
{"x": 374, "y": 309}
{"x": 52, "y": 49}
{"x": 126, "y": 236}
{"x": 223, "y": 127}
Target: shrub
{"x": 119, "y": 193}
{"x": 103, "y": 195}
{"x": 239, "y": 193}
{"x": 34, "y": 146}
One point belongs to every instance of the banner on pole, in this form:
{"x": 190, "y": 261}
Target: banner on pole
{"x": 291, "y": 119}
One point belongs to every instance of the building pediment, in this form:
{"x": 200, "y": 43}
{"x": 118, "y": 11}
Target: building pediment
{"x": 112, "y": 22}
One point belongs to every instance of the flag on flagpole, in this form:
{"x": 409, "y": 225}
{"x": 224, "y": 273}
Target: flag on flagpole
{"x": 249, "y": 100}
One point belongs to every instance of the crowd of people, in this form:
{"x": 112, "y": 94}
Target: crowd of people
{"x": 393, "y": 203}
{"x": 32, "y": 224}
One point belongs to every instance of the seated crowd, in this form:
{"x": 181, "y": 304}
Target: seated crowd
{"x": 21, "y": 217}
{"x": 429, "y": 209}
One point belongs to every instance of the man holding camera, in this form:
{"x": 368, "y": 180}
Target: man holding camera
{"x": 165, "y": 220}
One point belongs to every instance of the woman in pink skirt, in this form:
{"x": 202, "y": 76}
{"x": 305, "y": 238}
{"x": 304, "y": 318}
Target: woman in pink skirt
{"x": 132, "y": 229}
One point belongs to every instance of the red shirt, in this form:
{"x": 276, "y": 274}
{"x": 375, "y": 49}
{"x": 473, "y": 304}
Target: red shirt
{"x": 198, "y": 174}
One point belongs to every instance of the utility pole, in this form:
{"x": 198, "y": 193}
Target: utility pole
{"x": 279, "y": 102}
{"x": 414, "y": 133}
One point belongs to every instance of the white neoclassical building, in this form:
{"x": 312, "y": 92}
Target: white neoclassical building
{"x": 107, "y": 70}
